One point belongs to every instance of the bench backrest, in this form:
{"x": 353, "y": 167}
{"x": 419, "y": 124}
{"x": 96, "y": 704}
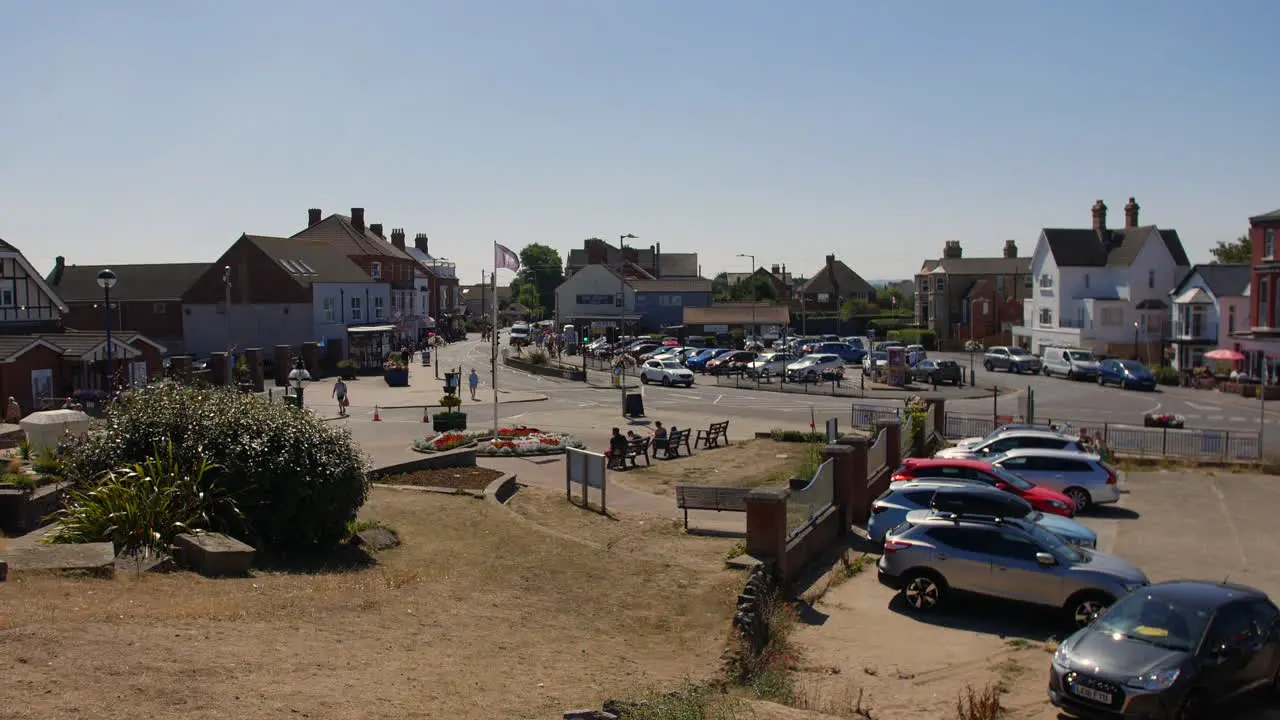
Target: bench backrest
{"x": 719, "y": 427}
{"x": 638, "y": 443}
{"x": 712, "y": 497}
{"x": 678, "y": 436}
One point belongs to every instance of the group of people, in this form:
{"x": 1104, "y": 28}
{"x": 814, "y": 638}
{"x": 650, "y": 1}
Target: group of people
{"x": 618, "y": 442}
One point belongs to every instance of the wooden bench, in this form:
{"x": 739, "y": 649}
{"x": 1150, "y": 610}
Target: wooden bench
{"x": 675, "y": 439}
{"x": 710, "y": 497}
{"x": 712, "y": 436}
{"x": 635, "y": 449}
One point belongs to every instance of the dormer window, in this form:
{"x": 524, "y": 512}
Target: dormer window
{"x": 1046, "y": 281}
{"x": 375, "y": 270}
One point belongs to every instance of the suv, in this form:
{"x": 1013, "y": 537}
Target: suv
{"x": 1083, "y": 477}
{"x": 933, "y": 555}
{"x": 1010, "y": 358}
{"x": 965, "y": 498}
{"x": 1015, "y": 440}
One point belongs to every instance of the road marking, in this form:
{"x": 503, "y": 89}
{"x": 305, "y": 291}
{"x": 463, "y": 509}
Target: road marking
{"x": 1217, "y": 417}
{"x": 513, "y": 417}
{"x": 1198, "y": 406}
{"x": 1237, "y": 420}
{"x": 718, "y": 399}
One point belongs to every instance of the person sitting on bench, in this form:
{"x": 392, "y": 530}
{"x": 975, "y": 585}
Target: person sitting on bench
{"x": 617, "y": 445}
{"x": 659, "y": 436}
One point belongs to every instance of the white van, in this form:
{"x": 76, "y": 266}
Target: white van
{"x": 519, "y": 334}
{"x": 1070, "y": 363}
{"x": 571, "y": 339}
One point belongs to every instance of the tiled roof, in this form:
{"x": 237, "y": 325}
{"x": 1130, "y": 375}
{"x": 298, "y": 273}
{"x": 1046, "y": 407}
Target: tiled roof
{"x": 669, "y": 286}
{"x": 70, "y": 342}
{"x": 159, "y": 281}
{"x": 984, "y": 266}
{"x": 1266, "y": 217}
{"x": 1225, "y": 280}
{"x": 677, "y": 265}
{"x": 309, "y": 261}
{"x": 848, "y": 280}
{"x": 338, "y": 231}
{"x": 737, "y": 314}
{"x": 1073, "y": 247}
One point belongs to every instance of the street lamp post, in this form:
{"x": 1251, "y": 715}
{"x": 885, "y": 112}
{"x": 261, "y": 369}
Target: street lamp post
{"x": 106, "y": 281}
{"x": 1135, "y": 339}
{"x": 298, "y": 378}
{"x": 752, "y": 278}
{"x": 972, "y": 344}
{"x": 622, "y": 276}
{"x": 226, "y": 283}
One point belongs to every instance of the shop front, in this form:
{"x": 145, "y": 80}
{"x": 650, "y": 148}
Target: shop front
{"x": 368, "y": 346}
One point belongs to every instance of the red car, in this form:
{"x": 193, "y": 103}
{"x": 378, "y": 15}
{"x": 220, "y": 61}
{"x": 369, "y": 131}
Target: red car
{"x": 1041, "y": 498}
{"x": 670, "y": 342}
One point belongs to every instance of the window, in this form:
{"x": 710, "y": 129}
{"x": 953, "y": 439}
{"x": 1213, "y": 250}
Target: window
{"x": 941, "y": 283}
{"x": 375, "y": 270}
{"x": 1112, "y": 317}
{"x": 670, "y": 300}
{"x": 595, "y": 299}
{"x": 330, "y": 309}
{"x": 357, "y": 314}
{"x": 379, "y": 311}
{"x": 1026, "y": 282}
{"x": 1046, "y": 316}
{"x": 1011, "y": 546}
{"x": 975, "y": 541}
{"x": 157, "y": 308}
{"x": 1000, "y": 284}
{"x": 1231, "y": 319}
{"x": 6, "y": 297}
{"x": 824, "y": 297}
{"x": 1264, "y": 302}
{"x": 1268, "y": 244}
{"x": 1086, "y": 280}
{"x": 924, "y": 285}
{"x": 1046, "y": 281}
{"x": 1151, "y": 279}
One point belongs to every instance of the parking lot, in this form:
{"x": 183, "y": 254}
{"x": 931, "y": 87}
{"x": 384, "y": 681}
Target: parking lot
{"x": 1201, "y": 525}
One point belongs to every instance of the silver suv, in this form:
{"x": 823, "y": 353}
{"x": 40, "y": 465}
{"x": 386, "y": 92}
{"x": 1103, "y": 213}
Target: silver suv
{"x": 1011, "y": 358}
{"x": 929, "y": 556}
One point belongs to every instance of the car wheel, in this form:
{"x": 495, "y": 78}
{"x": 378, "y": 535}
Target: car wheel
{"x": 1012, "y": 369}
{"x": 644, "y": 379}
{"x": 1101, "y": 383}
{"x": 1082, "y": 608}
{"x": 1079, "y": 496}
{"x": 923, "y": 591}
{"x": 666, "y": 381}
{"x": 1191, "y": 707}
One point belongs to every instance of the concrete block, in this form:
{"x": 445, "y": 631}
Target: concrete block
{"x": 4, "y": 570}
{"x": 45, "y": 429}
{"x": 377, "y": 539}
{"x": 142, "y": 561}
{"x": 213, "y": 554}
{"x": 91, "y": 558}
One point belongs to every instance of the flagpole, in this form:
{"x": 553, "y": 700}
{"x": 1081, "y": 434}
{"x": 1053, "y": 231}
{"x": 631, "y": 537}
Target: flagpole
{"x": 493, "y": 340}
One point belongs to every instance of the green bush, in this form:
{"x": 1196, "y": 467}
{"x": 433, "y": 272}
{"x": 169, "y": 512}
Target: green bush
{"x": 1165, "y": 375}
{"x": 297, "y": 479}
{"x": 915, "y": 336}
{"x": 537, "y": 357}
{"x": 145, "y": 506}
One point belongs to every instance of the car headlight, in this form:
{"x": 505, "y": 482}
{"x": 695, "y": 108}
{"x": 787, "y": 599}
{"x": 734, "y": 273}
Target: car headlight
{"x": 1158, "y": 680}
{"x": 1062, "y": 657}
{"x": 1058, "y": 504}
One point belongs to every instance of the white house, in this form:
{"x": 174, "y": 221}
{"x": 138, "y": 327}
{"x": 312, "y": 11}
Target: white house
{"x": 596, "y": 298}
{"x": 1210, "y": 304}
{"x": 1103, "y": 290}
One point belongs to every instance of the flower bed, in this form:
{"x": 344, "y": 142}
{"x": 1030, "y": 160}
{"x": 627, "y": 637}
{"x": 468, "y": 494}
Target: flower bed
{"x": 441, "y": 442}
{"x": 511, "y": 441}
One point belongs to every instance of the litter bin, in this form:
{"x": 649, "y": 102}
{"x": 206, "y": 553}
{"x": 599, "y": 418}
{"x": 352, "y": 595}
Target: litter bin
{"x": 635, "y": 405}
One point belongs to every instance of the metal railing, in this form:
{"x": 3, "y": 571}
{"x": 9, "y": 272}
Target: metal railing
{"x": 865, "y": 416}
{"x": 960, "y": 425}
{"x": 808, "y": 503}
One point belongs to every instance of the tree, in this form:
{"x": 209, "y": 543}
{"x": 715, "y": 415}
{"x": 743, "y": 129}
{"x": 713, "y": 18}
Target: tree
{"x": 1238, "y": 252}
{"x": 885, "y": 298}
{"x": 754, "y": 289}
{"x": 541, "y": 271}
{"x": 854, "y": 307}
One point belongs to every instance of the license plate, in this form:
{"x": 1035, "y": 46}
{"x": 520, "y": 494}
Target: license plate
{"x": 1090, "y": 694}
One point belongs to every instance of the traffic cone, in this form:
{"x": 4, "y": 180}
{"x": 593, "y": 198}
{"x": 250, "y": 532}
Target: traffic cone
{"x": 424, "y": 415}
{"x": 376, "y": 416}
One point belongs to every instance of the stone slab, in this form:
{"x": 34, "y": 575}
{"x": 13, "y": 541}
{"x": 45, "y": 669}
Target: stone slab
{"x": 376, "y": 539}
{"x": 213, "y": 554}
{"x": 4, "y": 571}
{"x": 91, "y": 558}
{"x": 141, "y": 562}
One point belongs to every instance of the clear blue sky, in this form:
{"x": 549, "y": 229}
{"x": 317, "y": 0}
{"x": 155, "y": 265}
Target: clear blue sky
{"x": 159, "y": 131}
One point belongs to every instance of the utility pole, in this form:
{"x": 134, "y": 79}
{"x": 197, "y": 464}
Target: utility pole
{"x": 483, "y": 313}
{"x": 226, "y": 281}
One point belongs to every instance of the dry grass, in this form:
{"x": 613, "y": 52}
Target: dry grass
{"x": 753, "y": 463}
{"x": 475, "y": 616}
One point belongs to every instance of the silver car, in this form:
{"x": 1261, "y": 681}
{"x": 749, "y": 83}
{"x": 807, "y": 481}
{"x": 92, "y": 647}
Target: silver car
{"x": 930, "y": 556}
{"x": 1014, "y": 440}
{"x": 1010, "y": 358}
{"x": 1081, "y": 476}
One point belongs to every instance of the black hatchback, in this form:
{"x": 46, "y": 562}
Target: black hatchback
{"x": 1172, "y": 650}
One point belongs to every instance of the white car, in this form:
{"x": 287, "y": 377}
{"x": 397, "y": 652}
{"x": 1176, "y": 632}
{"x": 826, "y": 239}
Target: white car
{"x": 774, "y": 363}
{"x": 875, "y": 360}
{"x": 667, "y": 372}
{"x": 975, "y": 441}
{"x": 1014, "y": 440}
{"x": 813, "y": 367}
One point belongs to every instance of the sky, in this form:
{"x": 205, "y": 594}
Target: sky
{"x": 160, "y": 131}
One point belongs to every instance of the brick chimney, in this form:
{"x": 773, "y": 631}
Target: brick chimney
{"x": 831, "y": 277}
{"x": 420, "y": 242}
{"x": 595, "y": 251}
{"x": 376, "y": 228}
{"x": 313, "y": 217}
{"x": 59, "y": 267}
{"x": 657, "y": 261}
{"x": 775, "y": 269}
{"x": 1010, "y": 249}
{"x": 1131, "y": 214}
{"x": 397, "y": 237}
{"x": 1100, "y": 216}
{"x": 357, "y": 218}
{"x": 951, "y": 249}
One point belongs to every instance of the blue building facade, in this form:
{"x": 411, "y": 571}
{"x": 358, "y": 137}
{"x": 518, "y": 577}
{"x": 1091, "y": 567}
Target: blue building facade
{"x": 661, "y": 303}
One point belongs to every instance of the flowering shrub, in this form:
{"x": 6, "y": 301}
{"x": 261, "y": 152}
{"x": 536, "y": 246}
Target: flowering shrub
{"x": 450, "y": 401}
{"x": 517, "y": 432}
{"x": 450, "y": 440}
{"x": 531, "y": 443}
{"x": 395, "y": 362}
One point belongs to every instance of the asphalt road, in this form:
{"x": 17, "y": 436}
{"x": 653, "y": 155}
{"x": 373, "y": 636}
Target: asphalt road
{"x": 589, "y": 412}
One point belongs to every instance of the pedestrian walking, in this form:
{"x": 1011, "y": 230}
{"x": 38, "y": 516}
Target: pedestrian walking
{"x": 340, "y": 394}
{"x": 473, "y": 380}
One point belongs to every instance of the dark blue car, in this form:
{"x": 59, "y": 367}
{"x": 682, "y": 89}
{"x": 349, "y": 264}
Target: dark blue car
{"x": 846, "y": 351}
{"x": 1128, "y": 374}
{"x": 699, "y": 361}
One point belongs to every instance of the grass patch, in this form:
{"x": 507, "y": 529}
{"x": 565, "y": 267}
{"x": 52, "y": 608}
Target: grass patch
{"x": 693, "y": 701}
{"x": 749, "y": 464}
{"x": 981, "y": 704}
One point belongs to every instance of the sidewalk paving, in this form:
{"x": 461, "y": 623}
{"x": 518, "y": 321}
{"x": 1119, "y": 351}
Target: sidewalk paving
{"x": 424, "y": 390}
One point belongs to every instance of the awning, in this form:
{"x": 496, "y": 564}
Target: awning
{"x": 1226, "y": 354}
{"x": 371, "y": 329}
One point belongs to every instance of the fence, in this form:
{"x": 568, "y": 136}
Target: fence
{"x": 959, "y": 425}
{"x": 865, "y": 416}
{"x": 878, "y": 454}
{"x": 806, "y": 504}
{"x": 908, "y": 434}
{"x": 852, "y": 385}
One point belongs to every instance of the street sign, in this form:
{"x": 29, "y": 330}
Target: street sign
{"x": 587, "y": 469}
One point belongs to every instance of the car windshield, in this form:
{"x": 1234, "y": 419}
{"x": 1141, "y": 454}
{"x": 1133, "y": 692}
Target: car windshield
{"x": 1055, "y": 544}
{"x": 1010, "y": 478}
{"x": 1018, "y": 351}
{"x": 671, "y": 364}
{"x": 879, "y": 356}
{"x": 1081, "y": 356}
{"x": 947, "y": 363}
{"x": 1156, "y": 621}
{"x": 1132, "y": 366}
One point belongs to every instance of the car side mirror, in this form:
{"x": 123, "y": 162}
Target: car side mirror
{"x": 1226, "y": 652}
{"x": 1002, "y": 486}
{"x": 1046, "y": 559}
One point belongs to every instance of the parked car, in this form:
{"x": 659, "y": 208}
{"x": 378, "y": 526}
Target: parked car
{"x": 730, "y": 362}
{"x": 1014, "y": 440}
{"x": 636, "y": 351}
{"x": 812, "y": 368}
{"x": 667, "y": 372}
{"x": 1070, "y": 363}
{"x": 696, "y": 341}
{"x": 1127, "y": 374}
{"x": 936, "y": 372}
{"x": 971, "y": 442}
{"x": 1042, "y": 499}
{"x": 768, "y": 364}
{"x": 915, "y": 353}
{"x": 1081, "y": 476}
{"x": 1012, "y": 359}
{"x": 1171, "y": 650}
{"x": 847, "y": 352}
{"x": 965, "y": 498}
{"x": 699, "y": 361}
{"x": 862, "y": 342}
{"x": 670, "y": 341}
{"x": 874, "y": 361}
{"x": 929, "y": 557}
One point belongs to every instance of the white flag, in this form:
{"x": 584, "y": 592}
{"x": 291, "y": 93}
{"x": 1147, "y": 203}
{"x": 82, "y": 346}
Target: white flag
{"x": 504, "y": 258}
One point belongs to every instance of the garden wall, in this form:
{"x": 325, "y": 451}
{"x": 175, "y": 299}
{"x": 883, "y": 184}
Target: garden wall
{"x": 548, "y": 370}
{"x": 462, "y": 457}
